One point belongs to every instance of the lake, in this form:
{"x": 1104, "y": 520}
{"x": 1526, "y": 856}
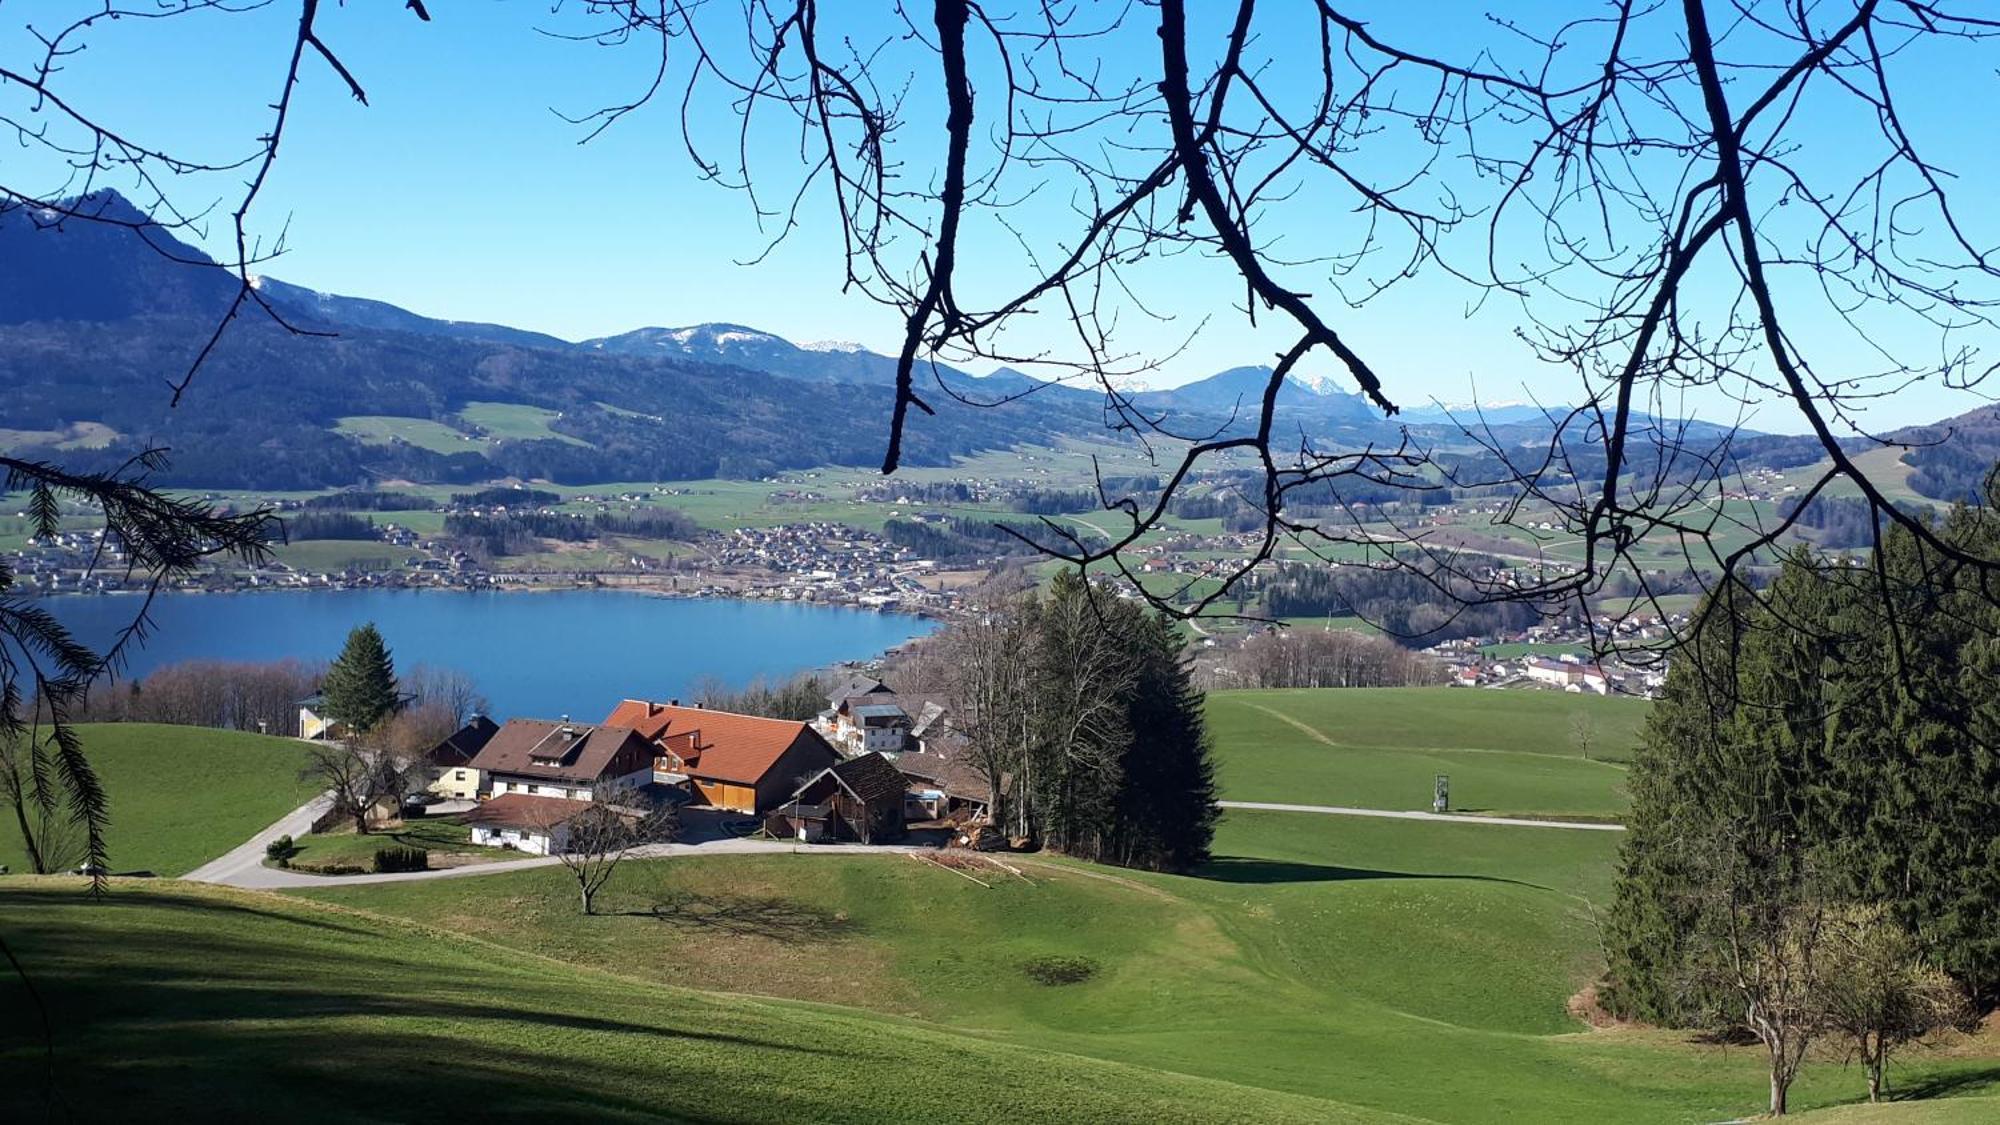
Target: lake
{"x": 569, "y": 652}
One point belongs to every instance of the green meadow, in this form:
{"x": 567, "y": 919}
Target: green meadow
{"x": 1506, "y": 752}
{"x": 1319, "y": 968}
{"x": 180, "y": 796}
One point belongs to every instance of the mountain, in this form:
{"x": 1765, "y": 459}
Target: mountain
{"x": 1239, "y": 392}
{"x": 310, "y": 308}
{"x": 106, "y": 261}
{"x": 101, "y": 315}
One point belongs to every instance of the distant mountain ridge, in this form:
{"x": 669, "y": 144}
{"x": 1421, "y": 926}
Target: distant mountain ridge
{"x": 99, "y": 313}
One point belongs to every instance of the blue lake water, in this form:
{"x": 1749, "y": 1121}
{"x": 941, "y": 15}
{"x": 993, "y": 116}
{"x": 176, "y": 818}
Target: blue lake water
{"x": 572, "y": 652}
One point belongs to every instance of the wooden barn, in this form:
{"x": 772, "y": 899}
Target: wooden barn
{"x": 858, "y": 799}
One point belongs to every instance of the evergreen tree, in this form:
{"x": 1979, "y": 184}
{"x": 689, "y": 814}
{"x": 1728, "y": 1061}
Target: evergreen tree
{"x": 1166, "y": 812}
{"x": 360, "y": 687}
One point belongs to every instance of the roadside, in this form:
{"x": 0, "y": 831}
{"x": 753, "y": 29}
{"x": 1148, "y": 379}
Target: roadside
{"x": 1447, "y": 818}
{"x": 243, "y": 866}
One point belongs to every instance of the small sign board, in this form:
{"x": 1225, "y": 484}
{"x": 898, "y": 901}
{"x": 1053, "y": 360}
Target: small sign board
{"x": 1441, "y": 793}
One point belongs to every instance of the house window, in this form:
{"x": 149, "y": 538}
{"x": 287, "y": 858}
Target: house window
{"x": 458, "y": 775}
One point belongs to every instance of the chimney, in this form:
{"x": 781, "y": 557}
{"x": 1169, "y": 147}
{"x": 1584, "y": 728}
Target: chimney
{"x": 673, "y": 703}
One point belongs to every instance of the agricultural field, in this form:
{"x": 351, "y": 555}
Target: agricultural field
{"x": 332, "y": 555}
{"x": 1506, "y": 752}
{"x": 502, "y": 421}
{"x": 180, "y": 796}
{"x": 378, "y": 429}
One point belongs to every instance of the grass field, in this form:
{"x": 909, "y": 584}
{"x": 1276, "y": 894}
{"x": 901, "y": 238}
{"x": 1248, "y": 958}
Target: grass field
{"x": 171, "y": 1001}
{"x": 448, "y": 839}
{"x": 1505, "y": 752}
{"x": 339, "y": 554}
{"x": 1411, "y": 969}
{"x": 1321, "y": 968}
{"x": 180, "y": 796}
{"x": 378, "y": 429}
{"x": 504, "y": 421}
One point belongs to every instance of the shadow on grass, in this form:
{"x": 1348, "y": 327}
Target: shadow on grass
{"x": 153, "y": 1006}
{"x": 775, "y": 918}
{"x": 1952, "y": 1084}
{"x": 1244, "y": 869}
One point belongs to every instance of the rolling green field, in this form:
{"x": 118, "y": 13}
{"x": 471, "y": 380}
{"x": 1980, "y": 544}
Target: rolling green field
{"x": 173, "y": 1001}
{"x": 1506, "y": 753}
{"x": 504, "y": 421}
{"x": 1412, "y": 970}
{"x": 377, "y": 429}
{"x": 339, "y": 554}
{"x": 1322, "y": 968}
{"x": 180, "y": 796}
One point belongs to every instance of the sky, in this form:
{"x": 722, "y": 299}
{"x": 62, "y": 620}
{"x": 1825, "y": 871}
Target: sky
{"x": 460, "y": 191}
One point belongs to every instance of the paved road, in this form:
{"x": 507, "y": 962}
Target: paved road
{"x": 1448, "y": 818}
{"x": 242, "y": 861}
{"x": 244, "y": 865}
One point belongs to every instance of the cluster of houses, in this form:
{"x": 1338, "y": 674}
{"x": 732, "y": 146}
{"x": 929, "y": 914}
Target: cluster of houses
{"x": 869, "y": 767}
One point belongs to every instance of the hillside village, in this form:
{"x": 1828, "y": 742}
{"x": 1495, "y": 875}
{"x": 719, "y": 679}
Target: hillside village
{"x": 873, "y": 767}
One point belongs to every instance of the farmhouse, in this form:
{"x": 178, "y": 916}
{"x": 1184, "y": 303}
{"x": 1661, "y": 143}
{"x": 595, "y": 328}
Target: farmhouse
{"x": 858, "y": 799}
{"x": 1568, "y": 675}
{"x": 452, "y": 774}
{"x": 316, "y": 725}
{"x": 562, "y": 759}
{"x": 742, "y": 763}
{"x": 536, "y": 825}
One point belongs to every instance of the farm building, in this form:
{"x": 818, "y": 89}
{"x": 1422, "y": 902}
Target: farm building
{"x": 858, "y": 799}
{"x": 562, "y": 759}
{"x": 742, "y": 763}
{"x": 536, "y": 825}
{"x": 452, "y": 774}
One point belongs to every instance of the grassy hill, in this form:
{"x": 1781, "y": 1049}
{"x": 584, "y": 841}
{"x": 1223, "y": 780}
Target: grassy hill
{"x": 1509, "y": 752}
{"x": 175, "y": 1000}
{"x": 180, "y": 796}
{"x": 1404, "y": 968}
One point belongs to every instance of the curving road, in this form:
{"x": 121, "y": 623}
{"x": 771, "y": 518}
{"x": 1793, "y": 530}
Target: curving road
{"x": 243, "y": 866}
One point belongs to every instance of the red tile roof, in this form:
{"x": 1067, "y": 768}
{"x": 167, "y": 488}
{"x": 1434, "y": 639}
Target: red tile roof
{"x": 718, "y": 745}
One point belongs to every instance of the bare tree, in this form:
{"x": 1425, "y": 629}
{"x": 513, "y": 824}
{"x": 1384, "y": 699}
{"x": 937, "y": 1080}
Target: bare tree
{"x": 1582, "y": 733}
{"x": 450, "y": 691}
{"x": 1663, "y": 203}
{"x": 347, "y": 775}
{"x": 1760, "y": 218}
{"x": 1877, "y": 992}
{"x": 592, "y": 841}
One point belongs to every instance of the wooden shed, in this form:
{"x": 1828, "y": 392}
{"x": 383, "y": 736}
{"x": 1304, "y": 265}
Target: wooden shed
{"x": 858, "y": 799}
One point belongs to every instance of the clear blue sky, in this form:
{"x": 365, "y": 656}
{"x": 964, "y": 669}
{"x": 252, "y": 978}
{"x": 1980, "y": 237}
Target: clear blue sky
{"x": 460, "y": 193}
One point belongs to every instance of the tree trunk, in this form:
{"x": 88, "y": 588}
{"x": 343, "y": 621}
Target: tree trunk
{"x": 35, "y": 861}
{"x": 1875, "y": 1058}
{"x": 589, "y": 898}
{"x": 1778, "y": 1092}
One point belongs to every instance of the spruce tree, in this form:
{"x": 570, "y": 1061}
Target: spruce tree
{"x": 360, "y": 687}
{"x": 1165, "y": 814}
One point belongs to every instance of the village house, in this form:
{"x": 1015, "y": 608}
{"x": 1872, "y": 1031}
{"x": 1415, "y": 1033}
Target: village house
{"x": 452, "y": 774}
{"x": 859, "y": 799}
{"x": 536, "y": 825}
{"x": 315, "y": 725}
{"x": 742, "y": 763}
{"x": 1571, "y": 676}
{"x": 562, "y": 759}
